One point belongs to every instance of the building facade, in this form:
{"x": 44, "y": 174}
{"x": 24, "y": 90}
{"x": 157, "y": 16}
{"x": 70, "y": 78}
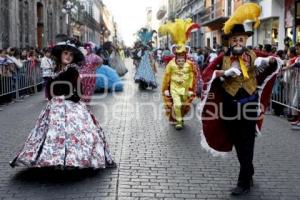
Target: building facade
{"x": 277, "y": 20}
{"x": 162, "y": 17}
{"x": 186, "y": 9}
{"x": 272, "y": 27}
{"x": 109, "y": 27}
{"x": 86, "y": 24}
{"x": 30, "y": 22}
{"x": 35, "y": 23}
{"x": 215, "y": 14}
{"x": 149, "y": 22}
{"x": 192, "y": 9}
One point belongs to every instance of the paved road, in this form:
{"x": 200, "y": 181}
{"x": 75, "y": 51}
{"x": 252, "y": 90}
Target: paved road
{"x": 154, "y": 160}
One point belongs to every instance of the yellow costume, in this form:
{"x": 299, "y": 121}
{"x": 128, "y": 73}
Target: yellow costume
{"x": 233, "y": 84}
{"x": 179, "y": 82}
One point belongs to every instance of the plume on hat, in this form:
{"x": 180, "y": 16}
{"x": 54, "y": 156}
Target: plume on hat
{"x": 145, "y": 35}
{"x": 247, "y": 11}
{"x": 179, "y": 31}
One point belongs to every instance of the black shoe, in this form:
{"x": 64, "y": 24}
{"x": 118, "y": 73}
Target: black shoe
{"x": 12, "y": 164}
{"x": 111, "y": 165}
{"x": 239, "y": 191}
{"x": 250, "y": 183}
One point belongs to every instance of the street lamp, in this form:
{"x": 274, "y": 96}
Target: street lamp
{"x": 68, "y": 8}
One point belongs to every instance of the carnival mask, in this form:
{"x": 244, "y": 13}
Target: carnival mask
{"x": 180, "y": 61}
{"x": 237, "y": 44}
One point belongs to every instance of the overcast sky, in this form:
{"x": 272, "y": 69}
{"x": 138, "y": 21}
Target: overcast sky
{"x": 130, "y": 15}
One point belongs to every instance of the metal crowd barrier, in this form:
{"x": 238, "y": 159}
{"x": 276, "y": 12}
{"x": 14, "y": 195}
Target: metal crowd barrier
{"x": 286, "y": 92}
{"x": 16, "y": 81}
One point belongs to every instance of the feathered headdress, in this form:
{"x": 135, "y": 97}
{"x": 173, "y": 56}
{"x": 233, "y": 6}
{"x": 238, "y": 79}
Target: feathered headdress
{"x": 247, "y": 11}
{"x": 179, "y": 31}
{"x": 145, "y": 35}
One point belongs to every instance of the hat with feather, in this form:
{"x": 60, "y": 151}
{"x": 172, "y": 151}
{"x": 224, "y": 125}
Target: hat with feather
{"x": 234, "y": 25}
{"x": 145, "y": 36}
{"x": 180, "y": 32}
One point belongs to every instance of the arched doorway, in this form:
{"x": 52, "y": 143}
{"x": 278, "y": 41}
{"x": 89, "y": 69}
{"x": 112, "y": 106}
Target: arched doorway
{"x": 40, "y": 24}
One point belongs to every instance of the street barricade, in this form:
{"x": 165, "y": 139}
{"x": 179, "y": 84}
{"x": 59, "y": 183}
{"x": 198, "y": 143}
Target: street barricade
{"x": 16, "y": 81}
{"x": 286, "y": 92}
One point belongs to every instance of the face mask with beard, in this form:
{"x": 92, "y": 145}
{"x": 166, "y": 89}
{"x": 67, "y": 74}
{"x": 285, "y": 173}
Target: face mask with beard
{"x": 237, "y": 50}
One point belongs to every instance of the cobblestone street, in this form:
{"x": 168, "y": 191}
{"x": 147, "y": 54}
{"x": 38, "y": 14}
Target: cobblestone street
{"x": 154, "y": 160}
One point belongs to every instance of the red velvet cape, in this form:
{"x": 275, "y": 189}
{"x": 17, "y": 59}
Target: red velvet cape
{"x": 215, "y": 136}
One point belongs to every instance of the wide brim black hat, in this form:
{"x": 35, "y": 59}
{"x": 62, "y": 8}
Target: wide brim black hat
{"x": 67, "y": 46}
{"x": 238, "y": 29}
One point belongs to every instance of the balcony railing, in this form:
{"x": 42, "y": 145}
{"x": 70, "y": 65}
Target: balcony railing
{"x": 213, "y": 12}
{"x": 88, "y": 20}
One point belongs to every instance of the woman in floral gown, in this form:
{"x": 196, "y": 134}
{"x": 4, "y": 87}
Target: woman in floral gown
{"x": 66, "y": 134}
